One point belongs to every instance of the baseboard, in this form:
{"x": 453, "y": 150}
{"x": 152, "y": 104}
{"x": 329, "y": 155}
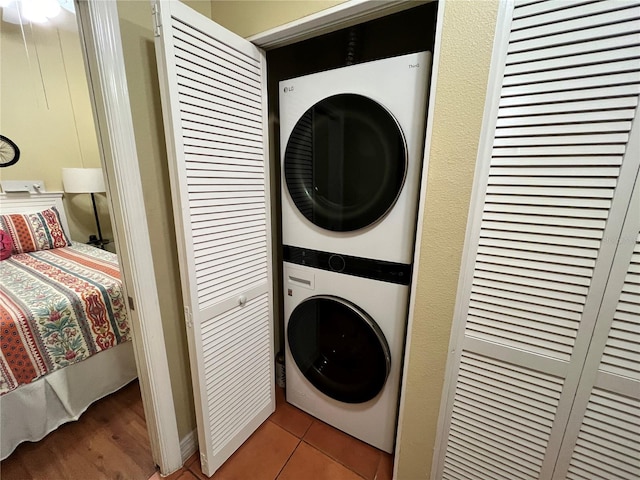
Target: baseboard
{"x": 188, "y": 445}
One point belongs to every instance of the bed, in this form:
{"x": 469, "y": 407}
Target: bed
{"x": 65, "y": 336}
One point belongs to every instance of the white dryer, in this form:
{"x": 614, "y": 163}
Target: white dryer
{"x": 344, "y": 346}
{"x": 351, "y": 142}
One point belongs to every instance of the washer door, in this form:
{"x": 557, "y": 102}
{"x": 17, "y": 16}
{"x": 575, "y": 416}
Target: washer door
{"x": 339, "y": 348}
{"x": 345, "y": 162}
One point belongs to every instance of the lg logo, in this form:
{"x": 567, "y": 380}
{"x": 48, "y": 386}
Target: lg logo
{"x": 288, "y": 89}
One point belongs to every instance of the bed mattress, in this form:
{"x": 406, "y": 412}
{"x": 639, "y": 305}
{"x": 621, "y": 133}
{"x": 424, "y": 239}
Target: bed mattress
{"x": 57, "y": 308}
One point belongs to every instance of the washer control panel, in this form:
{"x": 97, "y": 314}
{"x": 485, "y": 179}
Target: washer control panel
{"x": 391, "y": 272}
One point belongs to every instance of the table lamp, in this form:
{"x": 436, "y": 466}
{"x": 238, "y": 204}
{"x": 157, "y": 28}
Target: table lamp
{"x": 85, "y": 180}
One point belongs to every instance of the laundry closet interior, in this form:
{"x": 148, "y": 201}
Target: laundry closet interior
{"x": 231, "y": 252}
{"x": 341, "y": 329}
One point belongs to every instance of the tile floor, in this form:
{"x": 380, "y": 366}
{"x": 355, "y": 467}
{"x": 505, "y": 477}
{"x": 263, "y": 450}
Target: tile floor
{"x": 292, "y": 445}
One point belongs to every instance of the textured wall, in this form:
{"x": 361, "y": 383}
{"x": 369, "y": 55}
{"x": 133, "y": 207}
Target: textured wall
{"x": 467, "y": 41}
{"x": 249, "y": 17}
{"x": 46, "y": 110}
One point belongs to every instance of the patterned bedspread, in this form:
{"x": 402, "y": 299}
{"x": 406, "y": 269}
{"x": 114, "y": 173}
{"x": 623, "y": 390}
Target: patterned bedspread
{"x": 57, "y": 307}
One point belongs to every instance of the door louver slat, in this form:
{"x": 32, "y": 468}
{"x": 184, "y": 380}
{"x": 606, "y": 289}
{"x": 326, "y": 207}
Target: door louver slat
{"x": 529, "y": 296}
{"x": 195, "y": 89}
{"x": 192, "y": 94}
{"x": 233, "y": 59}
{"x": 532, "y": 8}
{"x": 572, "y": 64}
{"x": 548, "y": 84}
{"x": 225, "y": 136}
{"x": 589, "y": 74}
{"x": 527, "y": 432}
{"x": 519, "y": 118}
{"x": 208, "y": 54}
{"x": 562, "y": 126}
{"x": 574, "y": 20}
{"x": 586, "y": 95}
{"x": 574, "y": 49}
{"x": 496, "y": 428}
{"x": 624, "y": 27}
{"x": 480, "y": 439}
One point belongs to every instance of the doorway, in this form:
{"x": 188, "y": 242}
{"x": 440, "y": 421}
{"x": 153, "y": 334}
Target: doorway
{"x": 52, "y": 121}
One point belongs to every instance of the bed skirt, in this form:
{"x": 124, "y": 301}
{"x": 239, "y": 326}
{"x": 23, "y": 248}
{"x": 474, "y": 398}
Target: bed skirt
{"x": 32, "y": 411}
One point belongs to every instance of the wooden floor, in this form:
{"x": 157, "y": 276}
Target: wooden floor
{"x": 110, "y": 442}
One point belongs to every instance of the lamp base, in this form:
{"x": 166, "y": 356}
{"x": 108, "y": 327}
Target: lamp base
{"x": 98, "y": 242}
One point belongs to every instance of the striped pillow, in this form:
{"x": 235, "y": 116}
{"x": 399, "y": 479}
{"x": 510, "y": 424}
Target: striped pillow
{"x": 35, "y": 231}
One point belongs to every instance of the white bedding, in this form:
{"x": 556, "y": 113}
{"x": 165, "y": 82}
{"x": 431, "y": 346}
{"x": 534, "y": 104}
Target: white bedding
{"x": 32, "y": 411}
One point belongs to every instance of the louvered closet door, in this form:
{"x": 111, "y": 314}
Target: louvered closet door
{"x": 214, "y": 104}
{"x": 558, "y": 183}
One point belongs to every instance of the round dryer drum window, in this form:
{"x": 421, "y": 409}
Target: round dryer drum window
{"x": 345, "y": 162}
{"x": 339, "y": 348}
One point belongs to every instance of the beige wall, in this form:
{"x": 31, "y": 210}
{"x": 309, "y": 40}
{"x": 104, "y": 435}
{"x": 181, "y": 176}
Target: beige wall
{"x": 45, "y": 109}
{"x": 249, "y": 17}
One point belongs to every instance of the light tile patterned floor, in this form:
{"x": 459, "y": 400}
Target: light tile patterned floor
{"x": 292, "y": 445}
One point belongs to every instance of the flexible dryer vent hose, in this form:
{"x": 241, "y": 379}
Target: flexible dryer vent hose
{"x": 353, "y": 41}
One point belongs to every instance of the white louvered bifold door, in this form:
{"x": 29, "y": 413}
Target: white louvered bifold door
{"x": 213, "y": 86}
{"x": 555, "y": 187}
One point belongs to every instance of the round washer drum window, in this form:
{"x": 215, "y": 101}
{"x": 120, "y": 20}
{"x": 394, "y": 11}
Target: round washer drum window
{"x": 345, "y": 162}
{"x": 339, "y": 348}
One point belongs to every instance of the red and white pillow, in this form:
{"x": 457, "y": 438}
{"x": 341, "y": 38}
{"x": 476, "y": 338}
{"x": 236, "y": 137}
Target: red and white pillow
{"x": 30, "y": 232}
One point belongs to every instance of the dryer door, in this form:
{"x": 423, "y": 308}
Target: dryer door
{"x": 339, "y": 348}
{"x": 345, "y": 162}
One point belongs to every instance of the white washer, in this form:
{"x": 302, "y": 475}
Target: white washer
{"x": 351, "y": 142}
{"x": 344, "y": 346}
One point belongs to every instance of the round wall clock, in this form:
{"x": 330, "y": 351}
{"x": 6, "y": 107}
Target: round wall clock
{"x": 9, "y": 152}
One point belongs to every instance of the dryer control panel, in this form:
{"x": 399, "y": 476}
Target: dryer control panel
{"x": 360, "y": 267}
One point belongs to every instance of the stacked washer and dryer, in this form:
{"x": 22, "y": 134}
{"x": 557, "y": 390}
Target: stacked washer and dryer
{"x": 352, "y": 141}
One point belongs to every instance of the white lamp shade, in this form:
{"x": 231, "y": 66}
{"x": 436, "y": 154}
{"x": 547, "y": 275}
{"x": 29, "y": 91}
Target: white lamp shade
{"x": 83, "y": 180}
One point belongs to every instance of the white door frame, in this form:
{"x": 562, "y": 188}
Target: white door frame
{"x": 104, "y": 61}
{"x": 102, "y": 45}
